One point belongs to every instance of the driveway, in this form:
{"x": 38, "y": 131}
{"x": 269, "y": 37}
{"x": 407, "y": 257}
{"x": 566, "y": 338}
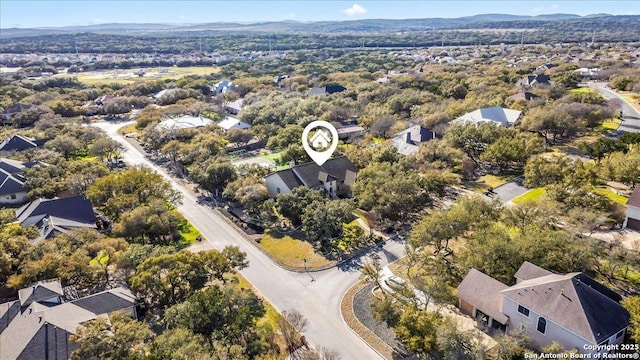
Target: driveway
{"x": 319, "y": 300}
{"x": 510, "y": 191}
{"x": 630, "y": 116}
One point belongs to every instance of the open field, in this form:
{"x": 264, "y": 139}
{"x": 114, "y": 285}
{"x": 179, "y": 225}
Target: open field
{"x": 129, "y": 76}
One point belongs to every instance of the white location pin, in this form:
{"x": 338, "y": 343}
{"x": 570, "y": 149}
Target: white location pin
{"x": 323, "y": 143}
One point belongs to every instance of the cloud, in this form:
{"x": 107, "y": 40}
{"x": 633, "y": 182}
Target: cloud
{"x": 354, "y": 10}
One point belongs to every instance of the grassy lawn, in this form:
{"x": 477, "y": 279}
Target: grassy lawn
{"x": 378, "y": 140}
{"x": 622, "y": 200}
{"x": 611, "y": 124}
{"x": 275, "y": 158}
{"x": 188, "y": 233}
{"x": 582, "y": 90}
{"x": 291, "y": 252}
{"x": 101, "y": 258}
{"x": 530, "y": 195}
{"x": 127, "y": 129}
{"x": 127, "y": 76}
{"x": 488, "y": 181}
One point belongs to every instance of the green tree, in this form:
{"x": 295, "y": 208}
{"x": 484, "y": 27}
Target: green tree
{"x": 632, "y": 304}
{"x": 417, "y": 329}
{"x": 214, "y": 175}
{"x": 106, "y": 148}
{"x": 322, "y": 220}
{"x": 224, "y": 314}
{"x": 180, "y": 344}
{"x": 65, "y": 145}
{"x": 119, "y": 337}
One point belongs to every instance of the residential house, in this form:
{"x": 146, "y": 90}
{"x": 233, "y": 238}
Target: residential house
{"x": 103, "y": 100}
{"x": 495, "y": 114}
{"x": 164, "y": 92}
{"x": 234, "y": 107}
{"x": 20, "y": 143}
{"x": 350, "y": 132}
{"x": 278, "y": 80}
{"x": 184, "y": 122}
{"x": 523, "y": 95}
{"x": 223, "y": 87}
{"x": 232, "y": 123}
{"x": 572, "y": 309}
{"x": 7, "y": 114}
{"x": 545, "y": 67}
{"x": 40, "y": 323}
{"x": 535, "y": 80}
{"x": 326, "y": 90}
{"x": 59, "y": 215}
{"x": 335, "y": 176}
{"x": 632, "y": 220}
{"x": 588, "y": 73}
{"x": 408, "y": 141}
{"x": 12, "y": 190}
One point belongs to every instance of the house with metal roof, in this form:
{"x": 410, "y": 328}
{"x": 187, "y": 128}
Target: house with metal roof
{"x": 233, "y": 123}
{"x": 335, "y": 177}
{"x": 572, "y": 309}
{"x": 184, "y": 122}
{"x": 496, "y": 114}
{"x": 40, "y": 323}
{"x": 326, "y": 90}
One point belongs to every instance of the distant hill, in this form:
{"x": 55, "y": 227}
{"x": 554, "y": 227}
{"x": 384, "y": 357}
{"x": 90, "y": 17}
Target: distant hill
{"x": 337, "y": 27}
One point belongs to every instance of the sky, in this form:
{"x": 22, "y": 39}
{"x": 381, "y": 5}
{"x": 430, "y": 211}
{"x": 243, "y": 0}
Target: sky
{"x": 53, "y": 13}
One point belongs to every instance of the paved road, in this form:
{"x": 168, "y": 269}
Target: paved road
{"x": 630, "y": 116}
{"x": 319, "y": 300}
{"x": 509, "y": 191}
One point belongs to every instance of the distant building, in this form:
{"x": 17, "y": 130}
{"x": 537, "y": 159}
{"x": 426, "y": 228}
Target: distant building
{"x": 184, "y": 122}
{"x": 496, "y": 114}
{"x": 223, "y": 87}
{"x": 232, "y": 123}
{"x": 535, "y": 80}
{"x": 326, "y": 90}
{"x": 335, "y": 177}
{"x": 40, "y": 323}
{"x": 234, "y": 107}
{"x": 7, "y": 114}
{"x": 350, "y": 132}
{"x": 523, "y": 95}
{"x": 573, "y": 310}
{"x": 408, "y": 141}
{"x": 164, "y": 92}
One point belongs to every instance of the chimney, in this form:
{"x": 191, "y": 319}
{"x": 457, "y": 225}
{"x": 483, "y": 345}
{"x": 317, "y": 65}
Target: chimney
{"x": 408, "y": 137}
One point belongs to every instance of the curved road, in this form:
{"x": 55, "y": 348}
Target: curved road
{"x": 630, "y": 116}
{"x": 318, "y": 300}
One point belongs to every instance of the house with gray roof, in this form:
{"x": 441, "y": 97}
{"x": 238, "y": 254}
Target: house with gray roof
{"x": 20, "y": 143}
{"x": 60, "y": 215}
{"x": 632, "y": 219}
{"x": 326, "y": 90}
{"x": 6, "y": 117}
{"x": 12, "y": 190}
{"x": 40, "y": 323}
{"x": 335, "y": 177}
{"x": 496, "y": 114}
{"x": 572, "y": 309}
{"x": 408, "y": 141}
{"x": 535, "y": 81}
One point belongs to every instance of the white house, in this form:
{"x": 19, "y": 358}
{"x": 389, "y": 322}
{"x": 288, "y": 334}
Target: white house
{"x": 12, "y": 190}
{"x": 232, "y": 123}
{"x": 496, "y": 114}
{"x": 632, "y": 220}
{"x": 572, "y": 309}
{"x": 184, "y": 122}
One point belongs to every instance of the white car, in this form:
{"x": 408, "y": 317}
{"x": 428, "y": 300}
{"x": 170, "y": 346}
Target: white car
{"x": 392, "y": 283}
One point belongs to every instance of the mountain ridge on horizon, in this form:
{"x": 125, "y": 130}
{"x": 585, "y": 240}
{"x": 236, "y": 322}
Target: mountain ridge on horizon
{"x": 362, "y": 26}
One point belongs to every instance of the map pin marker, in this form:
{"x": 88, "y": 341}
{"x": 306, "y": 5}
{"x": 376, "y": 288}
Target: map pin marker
{"x": 322, "y": 143}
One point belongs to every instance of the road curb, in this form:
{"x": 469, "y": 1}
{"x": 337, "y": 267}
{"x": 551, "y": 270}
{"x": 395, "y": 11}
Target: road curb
{"x": 348, "y": 293}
